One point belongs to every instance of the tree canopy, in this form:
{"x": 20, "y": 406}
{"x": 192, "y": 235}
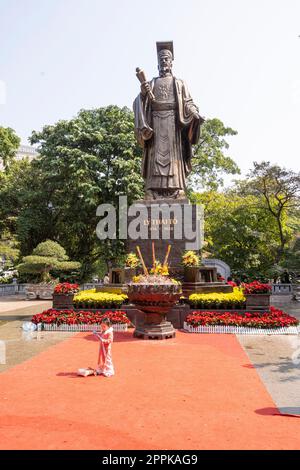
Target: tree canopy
{"x": 210, "y": 161}
{"x": 253, "y": 225}
{"x": 9, "y": 144}
{"x": 47, "y": 256}
{"x": 277, "y": 191}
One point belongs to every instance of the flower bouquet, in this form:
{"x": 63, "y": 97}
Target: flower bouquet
{"x": 191, "y": 262}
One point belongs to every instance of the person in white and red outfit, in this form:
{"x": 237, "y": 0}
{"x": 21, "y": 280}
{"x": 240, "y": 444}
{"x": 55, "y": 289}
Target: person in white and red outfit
{"x": 106, "y": 336}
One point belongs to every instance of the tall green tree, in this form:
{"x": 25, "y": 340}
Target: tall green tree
{"x": 15, "y": 183}
{"x": 9, "y": 144}
{"x": 84, "y": 162}
{"x": 238, "y": 231}
{"x": 278, "y": 192}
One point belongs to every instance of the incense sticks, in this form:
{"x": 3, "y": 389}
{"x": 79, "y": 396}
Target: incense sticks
{"x": 142, "y": 261}
{"x": 165, "y": 263}
{"x": 167, "y": 255}
{"x": 153, "y": 255}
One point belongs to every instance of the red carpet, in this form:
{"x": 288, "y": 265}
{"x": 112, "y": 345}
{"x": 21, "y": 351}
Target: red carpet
{"x": 191, "y": 392}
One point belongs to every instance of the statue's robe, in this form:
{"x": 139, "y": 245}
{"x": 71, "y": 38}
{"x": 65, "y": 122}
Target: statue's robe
{"x": 166, "y": 128}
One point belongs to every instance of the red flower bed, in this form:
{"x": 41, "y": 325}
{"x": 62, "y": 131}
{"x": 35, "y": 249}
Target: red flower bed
{"x": 257, "y": 287}
{"x": 273, "y": 319}
{"x": 66, "y": 288}
{"x": 72, "y": 317}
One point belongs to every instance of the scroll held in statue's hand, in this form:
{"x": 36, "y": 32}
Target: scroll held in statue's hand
{"x": 142, "y": 78}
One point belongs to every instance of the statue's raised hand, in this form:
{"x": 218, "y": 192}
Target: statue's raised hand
{"x": 145, "y": 88}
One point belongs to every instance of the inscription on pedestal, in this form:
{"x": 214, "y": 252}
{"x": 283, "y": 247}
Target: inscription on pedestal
{"x": 179, "y": 224}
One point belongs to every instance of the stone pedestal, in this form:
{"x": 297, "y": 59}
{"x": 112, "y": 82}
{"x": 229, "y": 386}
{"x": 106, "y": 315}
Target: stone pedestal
{"x": 167, "y": 222}
{"x": 155, "y": 327}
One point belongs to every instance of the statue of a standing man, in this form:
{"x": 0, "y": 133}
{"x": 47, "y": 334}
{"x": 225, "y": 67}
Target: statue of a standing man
{"x": 167, "y": 124}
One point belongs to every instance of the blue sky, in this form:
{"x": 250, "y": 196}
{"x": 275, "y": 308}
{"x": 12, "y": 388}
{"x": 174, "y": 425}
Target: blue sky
{"x": 240, "y": 59}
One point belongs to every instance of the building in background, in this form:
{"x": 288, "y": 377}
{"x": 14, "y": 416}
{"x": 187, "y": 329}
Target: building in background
{"x": 26, "y": 151}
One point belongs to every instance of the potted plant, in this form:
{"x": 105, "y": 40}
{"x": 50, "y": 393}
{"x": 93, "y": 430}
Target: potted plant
{"x": 132, "y": 262}
{"x": 191, "y": 262}
{"x": 64, "y": 294}
{"x": 154, "y": 293}
{"x": 257, "y": 295}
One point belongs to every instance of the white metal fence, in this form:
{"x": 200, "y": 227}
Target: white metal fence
{"x": 239, "y": 330}
{"x": 95, "y": 326}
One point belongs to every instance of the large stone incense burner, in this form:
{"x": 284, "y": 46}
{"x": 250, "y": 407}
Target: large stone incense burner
{"x": 154, "y": 294}
{"x": 155, "y": 301}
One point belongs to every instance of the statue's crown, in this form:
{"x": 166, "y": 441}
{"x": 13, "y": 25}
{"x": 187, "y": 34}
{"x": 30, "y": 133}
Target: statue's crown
{"x": 165, "y": 47}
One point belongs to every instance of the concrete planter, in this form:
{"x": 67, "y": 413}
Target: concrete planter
{"x": 39, "y": 291}
{"x": 64, "y": 301}
{"x": 191, "y": 273}
{"x": 257, "y": 301}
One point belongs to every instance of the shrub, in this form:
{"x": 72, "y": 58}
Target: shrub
{"x": 47, "y": 256}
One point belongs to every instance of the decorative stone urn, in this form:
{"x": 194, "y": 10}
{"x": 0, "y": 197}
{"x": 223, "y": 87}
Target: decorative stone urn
{"x": 155, "y": 301}
{"x": 39, "y": 291}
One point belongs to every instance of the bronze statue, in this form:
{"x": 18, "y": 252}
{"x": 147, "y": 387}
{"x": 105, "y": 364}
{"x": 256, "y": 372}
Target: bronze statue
{"x": 167, "y": 124}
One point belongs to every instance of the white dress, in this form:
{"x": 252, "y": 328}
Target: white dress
{"x": 105, "y": 363}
